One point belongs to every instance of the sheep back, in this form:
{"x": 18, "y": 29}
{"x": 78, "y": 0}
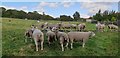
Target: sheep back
{"x": 78, "y": 35}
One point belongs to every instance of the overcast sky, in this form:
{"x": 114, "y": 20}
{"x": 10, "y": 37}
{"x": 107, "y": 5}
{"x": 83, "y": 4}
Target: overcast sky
{"x": 56, "y": 9}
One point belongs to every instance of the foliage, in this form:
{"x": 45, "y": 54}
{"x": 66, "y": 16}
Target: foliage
{"x": 65, "y": 18}
{"x": 106, "y": 16}
{"x": 76, "y": 16}
{"x": 113, "y": 19}
{"x": 13, "y": 13}
{"x": 98, "y": 16}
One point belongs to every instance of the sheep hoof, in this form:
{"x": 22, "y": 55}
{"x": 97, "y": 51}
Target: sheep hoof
{"x": 36, "y": 50}
{"x": 41, "y": 49}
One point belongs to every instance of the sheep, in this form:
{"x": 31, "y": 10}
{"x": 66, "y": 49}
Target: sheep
{"x": 84, "y": 36}
{"x": 74, "y": 26}
{"x": 44, "y": 25}
{"x": 28, "y": 33}
{"x": 81, "y": 26}
{"x": 66, "y": 26}
{"x": 112, "y": 27}
{"x": 100, "y": 27}
{"x": 62, "y": 37}
{"x": 50, "y": 35}
{"x": 59, "y": 25}
{"x": 50, "y": 26}
{"x": 38, "y": 36}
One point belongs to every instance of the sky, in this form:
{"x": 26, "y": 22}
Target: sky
{"x": 55, "y": 9}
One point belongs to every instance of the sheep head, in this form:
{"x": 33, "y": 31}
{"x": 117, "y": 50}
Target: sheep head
{"x": 92, "y": 33}
{"x": 29, "y": 33}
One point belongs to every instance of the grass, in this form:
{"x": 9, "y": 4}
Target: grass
{"x": 103, "y": 44}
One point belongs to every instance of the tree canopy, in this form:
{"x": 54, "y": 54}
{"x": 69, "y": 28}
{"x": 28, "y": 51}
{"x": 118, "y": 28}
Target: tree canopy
{"x": 107, "y": 16}
{"x": 76, "y": 16}
{"x": 13, "y": 13}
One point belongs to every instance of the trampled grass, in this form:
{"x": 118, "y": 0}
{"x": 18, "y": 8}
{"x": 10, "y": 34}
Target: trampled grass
{"x": 103, "y": 44}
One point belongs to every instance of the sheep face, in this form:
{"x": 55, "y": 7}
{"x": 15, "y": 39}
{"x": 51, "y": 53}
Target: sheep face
{"x": 92, "y": 33}
{"x": 29, "y": 33}
{"x": 54, "y": 29}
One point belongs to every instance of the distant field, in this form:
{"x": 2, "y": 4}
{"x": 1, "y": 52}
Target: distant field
{"x": 103, "y": 44}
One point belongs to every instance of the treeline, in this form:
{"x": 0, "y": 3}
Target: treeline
{"x": 107, "y": 16}
{"x": 13, "y": 13}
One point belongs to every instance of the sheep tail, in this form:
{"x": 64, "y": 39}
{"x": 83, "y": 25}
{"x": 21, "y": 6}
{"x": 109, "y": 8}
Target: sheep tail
{"x": 37, "y": 38}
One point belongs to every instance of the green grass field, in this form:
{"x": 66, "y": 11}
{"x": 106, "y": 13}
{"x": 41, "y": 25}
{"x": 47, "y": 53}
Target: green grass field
{"x": 103, "y": 44}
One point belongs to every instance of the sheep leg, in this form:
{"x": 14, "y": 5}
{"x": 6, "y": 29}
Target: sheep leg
{"x": 71, "y": 45}
{"x": 61, "y": 42}
{"x": 66, "y": 45}
{"x": 42, "y": 40}
{"x": 36, "y": 43}
{"x": 41, "y": 45}
{"x": 62, "y": 46}
{"x": 55, "y": 38}
{"x": 48, "y": 40}
{"x": 83, "y": 44}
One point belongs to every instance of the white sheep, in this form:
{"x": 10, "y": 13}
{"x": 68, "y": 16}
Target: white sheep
{"x": 112, "y": 27}
{"x": 84, "y": 36}
{"x": 100, "y": 27}
{"x": 81, "y": 26}
{"x": 67, "y": 26}
{"x": 38, "y": 36}
{"x": 28, "y": 34}
{"x": 74, "y": 26}
{"x": 50, "y": 35}
{"x": 62, "y": 37}
{"x": 50, "y": 26}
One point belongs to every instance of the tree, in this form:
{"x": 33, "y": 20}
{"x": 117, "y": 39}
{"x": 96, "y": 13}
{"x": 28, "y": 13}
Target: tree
{"x": 105, "y": 15}
{"x": 98, "y": 17}
{"x": 113, "y": 19}
{"x": 47, "y": 17}
{"x": 12, "y": 13}
{"x": 118, "y": 15}
{"x": 99, "y": 11}
{"x": 22, "y": 14}
{"x": 2, "y": 11}
{"x": 65, "y": 18}
{"x": 76, "y": 16}
{"x": 90, "y": 17}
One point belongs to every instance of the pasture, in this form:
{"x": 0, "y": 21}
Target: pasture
{"x": 103, "y": 44}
